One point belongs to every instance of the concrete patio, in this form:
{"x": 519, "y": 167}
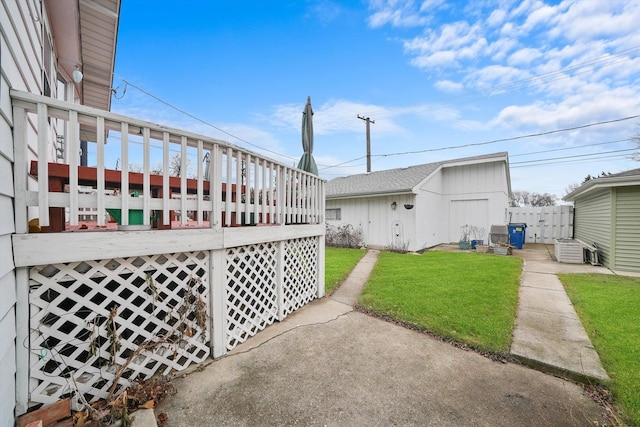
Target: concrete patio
{"x": 330, "y": 365}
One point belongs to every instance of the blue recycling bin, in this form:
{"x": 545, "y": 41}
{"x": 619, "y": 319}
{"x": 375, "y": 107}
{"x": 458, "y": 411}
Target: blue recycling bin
{"x": 517, "y": 234}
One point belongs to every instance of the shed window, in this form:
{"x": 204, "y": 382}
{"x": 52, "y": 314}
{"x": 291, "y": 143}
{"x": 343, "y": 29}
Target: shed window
{"x": 332, "y": 214}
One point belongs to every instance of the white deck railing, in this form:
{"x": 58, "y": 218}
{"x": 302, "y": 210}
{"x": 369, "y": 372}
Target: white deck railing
{"x": 243, "y": 186}
{"x": 249, "y": 277}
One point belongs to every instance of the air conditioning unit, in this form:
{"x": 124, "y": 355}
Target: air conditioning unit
{"x": 569, "y": 251}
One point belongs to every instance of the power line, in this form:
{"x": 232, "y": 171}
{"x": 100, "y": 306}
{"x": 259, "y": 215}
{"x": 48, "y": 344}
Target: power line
{"x": 575, "y": 156}
{"x": 596, "y": 157}
{"x": 344, "y": 163}
{"x": 532, "y": 135}
{"x": 501, "y": 140}
{"x": 571, "y": 148}
{"x": 204, "y": 121}
{"x": 489, "y": 90}
{"x": 563, "y": 162}
{"x": 486, "y": 91}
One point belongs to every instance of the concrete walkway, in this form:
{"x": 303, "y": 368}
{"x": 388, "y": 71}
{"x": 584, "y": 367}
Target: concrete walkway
{"x": 548, "y": 333}
{"x": 327, "y": 364}
{"x": 350, "y": 290}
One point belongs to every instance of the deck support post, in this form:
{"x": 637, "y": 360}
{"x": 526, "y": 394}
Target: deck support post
{"x": 22, "y": 341}
{"x": 321, "y": 243}
{"x": 217, "y": 292}
{"x": 280, "y": 280}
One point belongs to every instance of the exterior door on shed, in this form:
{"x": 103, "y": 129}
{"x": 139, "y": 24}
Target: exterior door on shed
{"x": 378, "y": 218}
{"x": 467, "y": 212}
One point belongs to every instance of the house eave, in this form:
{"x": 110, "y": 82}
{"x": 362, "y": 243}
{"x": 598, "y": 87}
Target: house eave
{"x": 367, "y": 195}
{"x": 64, "y": 17}
{"x": 598, "y": 183}
{"x": 85, "y": 34}
{"x": 419, "y": 185}
{"x": 498, "y": 157}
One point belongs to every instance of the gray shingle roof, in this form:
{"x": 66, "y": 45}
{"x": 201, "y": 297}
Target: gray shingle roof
{"x": 390, "y": 181}
{"x": 628, "y": 177}
{"x": 631, "y": 172}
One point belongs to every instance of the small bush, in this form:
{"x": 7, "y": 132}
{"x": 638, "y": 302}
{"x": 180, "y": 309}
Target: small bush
{"x": 344, "y": 236}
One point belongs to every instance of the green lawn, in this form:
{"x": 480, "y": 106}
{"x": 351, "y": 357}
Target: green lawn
{"x": 338, "y": 264}
{"x": 469, "y": 297}
{"x": 609, "y": 307}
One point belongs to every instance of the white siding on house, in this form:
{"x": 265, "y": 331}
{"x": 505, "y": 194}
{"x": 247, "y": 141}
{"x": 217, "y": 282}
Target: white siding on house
{"x": 7, "y": 332}
{"x": 627, "y": 228}
{"x": 21, "y": 68}
{"x": 592, "y": 222}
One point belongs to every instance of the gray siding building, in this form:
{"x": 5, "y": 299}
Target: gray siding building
{"x": 607, "y": 213}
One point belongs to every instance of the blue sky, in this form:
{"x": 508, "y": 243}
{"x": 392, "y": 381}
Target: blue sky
{"x": 432, "y": 74}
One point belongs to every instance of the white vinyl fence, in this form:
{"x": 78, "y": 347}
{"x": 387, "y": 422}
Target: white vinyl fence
{"x": 544, "y": 224}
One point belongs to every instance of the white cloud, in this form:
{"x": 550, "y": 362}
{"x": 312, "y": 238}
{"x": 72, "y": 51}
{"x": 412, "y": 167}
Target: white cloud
{"x": 495, "y": 75}
{"x": 454, "y": 41}
{"x": 589, "y": 20}
{"x": 541, "y": 14}
{"x": 400, "y": 13}
{"x": 436, "y": 59}
{"x": 430, "y": 5}
{"x": 500, "y": 48}
{"x": 449, "y": 86}
{"x": 569, "y": 59}
{"x": 473, "y": 50}
{"x": 524, "y": 56}
{"x": 576, "y": 110}
{"x": 555, "y": 64}
{"x": 496, "y": 18}
{"x": 450, "y": 36}
{"x": 337, "y": 116}
{"x": 325, "y": 11}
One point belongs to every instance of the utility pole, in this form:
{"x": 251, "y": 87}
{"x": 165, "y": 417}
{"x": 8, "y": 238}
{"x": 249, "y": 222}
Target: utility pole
{"x": 368, "y": 121}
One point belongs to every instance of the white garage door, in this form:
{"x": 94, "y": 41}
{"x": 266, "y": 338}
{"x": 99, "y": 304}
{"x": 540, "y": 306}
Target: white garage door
{"x": 467, "y": 212}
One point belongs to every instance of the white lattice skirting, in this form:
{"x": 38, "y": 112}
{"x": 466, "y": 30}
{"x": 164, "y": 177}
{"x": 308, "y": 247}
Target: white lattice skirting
{"x": 255, "y": 296}
{"x": 300, "y": 273}
{"x": 70, "y": 321}
{"x": 160, "y": 302}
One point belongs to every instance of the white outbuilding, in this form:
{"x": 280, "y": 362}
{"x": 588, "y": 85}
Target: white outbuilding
{"x": 421, "y": 206}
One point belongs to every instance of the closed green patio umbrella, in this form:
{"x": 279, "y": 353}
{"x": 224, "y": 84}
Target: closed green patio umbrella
{"x": 307, "y": 162}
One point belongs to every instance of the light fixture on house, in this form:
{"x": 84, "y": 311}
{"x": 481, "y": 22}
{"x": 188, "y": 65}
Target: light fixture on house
{"x": 77, "y": 75}
{"x": 393, "y": 206}
{"x": 408, "y": 206}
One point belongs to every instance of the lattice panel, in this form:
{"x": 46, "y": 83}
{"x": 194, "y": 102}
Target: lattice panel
{"x": 300, "y": 273}
{"x": 251, "y": 291}
{"x": 158, "y": 298}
